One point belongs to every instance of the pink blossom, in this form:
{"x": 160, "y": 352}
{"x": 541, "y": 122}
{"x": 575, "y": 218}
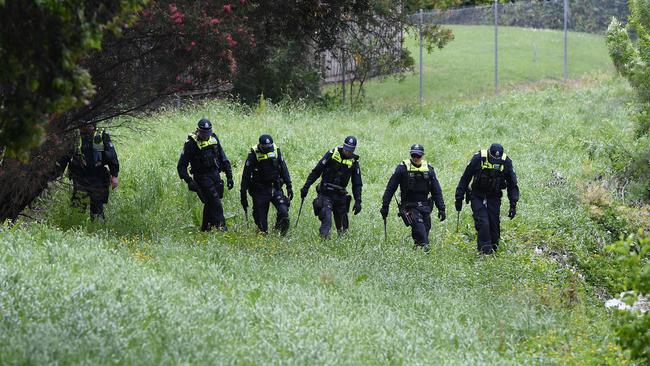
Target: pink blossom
{"x": 215, "y": 21}
{"x": 231, "y": 41}
{"x": 177, "y": 17}
{"x": 227, "y": 8}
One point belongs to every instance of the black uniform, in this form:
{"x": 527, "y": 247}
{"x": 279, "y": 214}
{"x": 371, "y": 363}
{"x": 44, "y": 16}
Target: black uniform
{"x": 263, "y": 177}
{"x": 207, "y": 160}
{"x": 489, "y": 177}
{"x": 416, "y": 183}
{"x": 91, "y": 165}
{"x": 332, "y": 197}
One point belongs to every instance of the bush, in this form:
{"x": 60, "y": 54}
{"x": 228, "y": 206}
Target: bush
{"x": 633, "y": 326}
{"x": 632, "y": 61}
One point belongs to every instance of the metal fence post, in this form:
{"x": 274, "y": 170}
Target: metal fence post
{"x": 343, "y": 74}
{"x": 566, "y": 23}
{"x": 496, "y": 45}
{"x": 421, "y": 57}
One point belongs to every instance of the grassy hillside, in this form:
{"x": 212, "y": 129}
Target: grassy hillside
{"x": 465, "y": 67}
{"x": 147, "y": 288}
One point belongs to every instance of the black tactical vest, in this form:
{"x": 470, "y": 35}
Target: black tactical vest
{"x": 267, "y": 167}
{"x": 417, "y": 181}
{"x": 338, "y": 170}
{"x": 490, "y": 177}
{"x": 207, "y": 157}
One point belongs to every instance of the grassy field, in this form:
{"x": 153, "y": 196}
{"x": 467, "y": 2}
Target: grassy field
{"x": 465, "y": 67}
{"x": 147, "y": 288}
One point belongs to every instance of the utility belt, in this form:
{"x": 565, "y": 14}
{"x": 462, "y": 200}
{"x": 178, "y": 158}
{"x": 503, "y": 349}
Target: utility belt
{"x": 202, "y": 171}
{"x": 265, "y": 184}
{"x": 330, "y": 188}
{"x": 419, "y": 204}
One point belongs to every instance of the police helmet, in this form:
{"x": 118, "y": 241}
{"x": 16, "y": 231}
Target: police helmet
{"x": 350, "y": 143}
{"x": 205, "y": 125}
{"x": 204, "y": 130}
{"x": 265, "y": 143}
{"x": 417, "y": 149}
{"x": 496, "y": 151}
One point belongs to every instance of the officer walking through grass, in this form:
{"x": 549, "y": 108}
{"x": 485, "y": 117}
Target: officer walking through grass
{"x": 490, "y": 171}
{"x": 265, "y": 172}
{"x": 93, "y": 167}
{"x": 205, "y": 155}
{"x": 336, "y": 168}
{"x": 416, "y": 180}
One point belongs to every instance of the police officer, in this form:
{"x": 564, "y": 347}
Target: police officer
{"x": 204, "y": 154}
{"x": 265, "y": 171}
{"x": 490, "y": 171}
{"x": 416, "y": 180}
{"x": 93, "y": 167}
{"x": 336, "y": 168}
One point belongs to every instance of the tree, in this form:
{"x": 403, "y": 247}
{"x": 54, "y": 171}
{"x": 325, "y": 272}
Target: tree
{"x": 41, "y": 43}
{"x": 180, "y": 46}
{"x": 632, "y": 59}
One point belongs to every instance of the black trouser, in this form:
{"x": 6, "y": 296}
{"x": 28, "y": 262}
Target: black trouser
{"x": 210, "y": 193}
{"x": 487, "y": 223}
{"x": 93, "y": 191}
{"x": 336, "y": 204}
{"x": 262, "y": 198}
{"x": 420, "y": 223}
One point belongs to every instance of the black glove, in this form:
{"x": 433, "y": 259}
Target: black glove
{"x": 459, "y": 205}
{"x": 230, "y": 183}
{"x": 513, "y": 211}
{"x": 192, "y": 186}
{"x": 384, "y": 211}
{"x": 357, "y": 207}
{"x": 290, "y": 193}
{"x": 442, "y": 215}
{"x": 303, "y": 192}
{"x": 244, "y": 200}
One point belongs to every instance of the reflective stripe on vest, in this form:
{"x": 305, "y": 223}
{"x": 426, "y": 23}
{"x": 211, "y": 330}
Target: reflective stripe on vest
{"x": 260, "y": 156}
{"x": 336, "y": 156}
{"x": 203, "y": 144}
{"x": 486, "y": 165}
{"x": 423, "y": 168}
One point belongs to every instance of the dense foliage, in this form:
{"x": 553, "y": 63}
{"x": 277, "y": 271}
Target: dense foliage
{"x": 633, "y": 328}
{"x": 632, "y": 60}
{"x": 632, "y": 57}
{"x": 182, "y": 47}
{"x": 41, "y": 44}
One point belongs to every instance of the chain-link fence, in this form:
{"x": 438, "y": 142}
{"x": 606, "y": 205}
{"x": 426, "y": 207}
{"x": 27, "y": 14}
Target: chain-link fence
{"x": 526, "y": 40}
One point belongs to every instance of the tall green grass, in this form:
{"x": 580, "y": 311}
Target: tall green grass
{"x": 146, "y": 287}
{"x": 465, "y": 67}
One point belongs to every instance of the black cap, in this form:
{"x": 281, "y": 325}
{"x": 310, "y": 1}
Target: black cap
{"x": 266, "y": 140}
{"x": 205, "y": 125}
{"x": 350, "y": 143}
{"x": 496, "y": 151}
{"x": 417, "y": 149}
